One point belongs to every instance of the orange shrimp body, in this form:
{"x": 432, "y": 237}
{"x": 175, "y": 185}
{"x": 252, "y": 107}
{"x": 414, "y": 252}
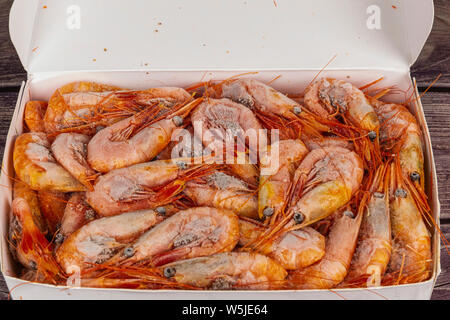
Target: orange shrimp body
{"x": 137, "y": 139}
{"x": 225, "y": 271}
{"x": 136, "y": 187}
{"x": 194, "y": 232}
{"x": 70, "y": 150}
{"x": 274, "y": 109}
{"x": 328, "y": 97}
{"x": 400, "y": 133}
{"x": 222, "y": 191}
{"x": 334, "y": 266}
{"x": 36, "y": 166}
{"x": 34, "y": 115}
{"x": 29, "y": 244}
{"x": 76, "y": 214}
{"x": 84, "y": 106}
{"x": 325, "y": 180}
{"x": 225, "y": 121}
{"x": 373, "y": 251}
{"x": 277, "y": 170}
{"x": 411, "y": 241}
{"x": 21, "y": 190}
{"x": 292, "y": 250}
{"x": 52, "y": 205}
{"x": 99, "y": 240}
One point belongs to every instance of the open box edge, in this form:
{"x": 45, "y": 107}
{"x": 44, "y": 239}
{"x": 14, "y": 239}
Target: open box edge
{"x": 421, "y": 290}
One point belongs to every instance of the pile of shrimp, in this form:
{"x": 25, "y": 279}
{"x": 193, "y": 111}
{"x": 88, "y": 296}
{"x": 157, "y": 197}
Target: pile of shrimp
{"x": 99, "y": 195}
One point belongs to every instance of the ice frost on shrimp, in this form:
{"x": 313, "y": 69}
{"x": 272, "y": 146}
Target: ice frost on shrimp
{"x": 194, "y": 232}
{"x": 98, "y": 241}
{"x": 137, "y": 139}
{"x": 223, "y": 191}
{"x": 225, "y": 271}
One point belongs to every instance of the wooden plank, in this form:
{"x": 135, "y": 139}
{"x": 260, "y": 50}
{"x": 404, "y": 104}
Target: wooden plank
{"x": 435, "y": 56}
{"x": 11, "y": 70}
{"x": 433, "y": 60}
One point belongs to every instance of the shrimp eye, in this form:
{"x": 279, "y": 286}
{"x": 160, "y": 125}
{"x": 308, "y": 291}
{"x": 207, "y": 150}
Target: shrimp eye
{"x": 128, "y": 252}
{"x": 415, "y": 176}
{"x": 378, "y": 195}
{"x": 178, "y": 121}
{"x": 268, "y": 211}
{"x": 161, "y": 210}
{"x": 349, "y": 214}
{"x": 182, "y": 165}
{"x": 169, "y": 272}
{"x": 299, "y": 217}
{"x": 401, "y": 193}
{"x": 33, "y": 265}
{"x": 372, "y": 135}
{"x": 59, "y": 238}
{"x": 297, "y": 110}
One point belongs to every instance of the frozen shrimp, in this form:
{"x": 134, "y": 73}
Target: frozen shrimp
{"x": 142, "y": 186}
{"x": 292, "y": 250}
{"x": 274, "y": 109}
{"x": 330, "y": 97}
{"x": 373, "y": 250}
{"x": 29, "y": 244}
{"x": 222, "y": 191}
{"x": 21, "y": 190}
{"x": 280, "y": 166}
{"x": 36, "y": 166}
{"x": 52, "y": 205}
{"x": 194, "y": 232}
{"x": 334, "y": 266}
{"x": 411, "y": 241}
{"x": 34, "y": 115}
{"x": 99, "y": 240}
{"x": 137, "y": 139}
{"x": 86, "y": 106}
{"x": 70, "y": 150}
{"x": 76, "y": 214}
{"x": 325, "y": 180}
{"x": 225, "y": 271}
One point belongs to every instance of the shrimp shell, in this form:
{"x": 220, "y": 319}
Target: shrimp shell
{"x": 292, "y": 250}
{"x": 224, "y": 192}
{"x": 34, "y": 115}
{"x": 194, "y": 232}
{"x": 70, "y": 150}
{"x": 334, "y": 266}
{"x": 35, "y": 165}
{"x": 98, "y": 241}
{"x": 224, "y": 271}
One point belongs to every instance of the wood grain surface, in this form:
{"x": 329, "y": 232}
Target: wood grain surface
{"x": 434, "y": 60}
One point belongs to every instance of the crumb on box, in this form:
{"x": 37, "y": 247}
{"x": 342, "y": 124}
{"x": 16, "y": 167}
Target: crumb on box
{"x": 394, "y": 7}
{"x": 94, "y": 59}
{"x": 35, "y": 49}
{"x": 44, "y": 7}
{"x": 159, "y": 23}
{"x": 228, "y": 51}
{"x": 104, "y": 49}
{"x": 156, "y": 30}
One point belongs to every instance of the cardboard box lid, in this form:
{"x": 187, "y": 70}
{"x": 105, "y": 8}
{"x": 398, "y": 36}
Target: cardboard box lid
{"x": 77, "y": 35}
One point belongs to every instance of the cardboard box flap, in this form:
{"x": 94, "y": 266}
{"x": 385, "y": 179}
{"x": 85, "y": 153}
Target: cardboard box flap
{"x": 69, "y": 35}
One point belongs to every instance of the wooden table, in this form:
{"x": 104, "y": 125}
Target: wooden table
{"x": 434, "y": 60}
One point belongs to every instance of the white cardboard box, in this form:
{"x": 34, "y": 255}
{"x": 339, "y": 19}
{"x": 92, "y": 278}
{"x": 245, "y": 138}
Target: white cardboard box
{"x": 178, "y": 43}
